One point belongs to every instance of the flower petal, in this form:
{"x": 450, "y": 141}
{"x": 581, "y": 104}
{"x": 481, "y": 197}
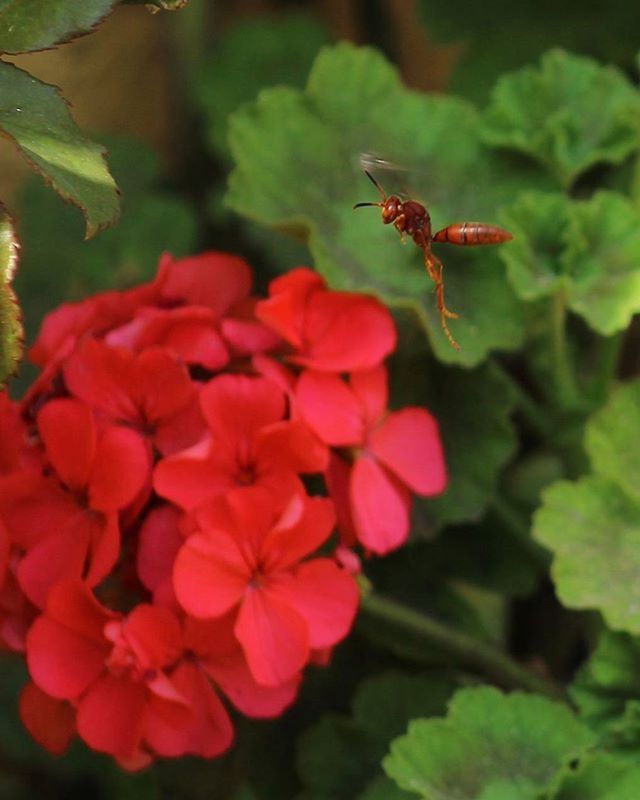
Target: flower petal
{"x": 122, "y": 466}
{"x": 380, "y": 506}
{"x": 408, "y": 443}
{"x": 51, "y": 722}
{"x": 68, "y": 432}
{"x": 329, "y": 408}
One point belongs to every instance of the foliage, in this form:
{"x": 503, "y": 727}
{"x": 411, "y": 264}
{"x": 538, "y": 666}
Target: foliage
{"x": 522, "y": 574}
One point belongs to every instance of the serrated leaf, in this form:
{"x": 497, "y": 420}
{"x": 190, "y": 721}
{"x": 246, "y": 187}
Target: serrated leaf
{"x": 593, "y": 530}
{"x": 27, "y": 25}
{"x": 600, "y": 776}
{"x": 260, "y": 52}
{"x": 602, "y": 259}
{"x": 491, "y": 746}
{"x": 609, "y": 681}
{"x": 382, "y": 788}
{"x": 382, "y": 707}
{"x": 611, "y": 439}
{"x": 538, "y": 222}
{"x": 297, "y": 169}
{"x": 10, "y": 315}
{"x": 569, "y": 113}
{"x": 59, "y": 266}
{"x": 36, "y": 118}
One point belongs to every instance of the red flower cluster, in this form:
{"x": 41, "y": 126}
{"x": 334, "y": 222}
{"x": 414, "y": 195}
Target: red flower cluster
{"x": 158, "y": 546}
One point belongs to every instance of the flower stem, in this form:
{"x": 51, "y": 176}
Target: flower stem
{"x": 608, "y": 356}
{"x": 565, "y": 380}
{"x": 467, "y": 651}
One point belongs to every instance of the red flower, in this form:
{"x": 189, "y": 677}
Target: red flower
{"x": 390, "y": 453}
{"x": 247, "y": 556}
{"x": 251, "y": 443}
{"x": 68, "y": 522}
{"x": 150, "y": 392}
{"x": 329, "y": 331}
{"x": 122, "y": 675}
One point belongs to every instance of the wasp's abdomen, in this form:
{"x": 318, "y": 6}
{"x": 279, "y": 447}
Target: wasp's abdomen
{"x": 472, "y": 233}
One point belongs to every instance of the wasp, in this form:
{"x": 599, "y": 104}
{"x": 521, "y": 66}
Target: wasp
{"x": 411, "y": 218}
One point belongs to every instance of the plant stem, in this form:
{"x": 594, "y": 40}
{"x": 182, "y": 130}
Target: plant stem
{"x": 468, "y": 651}
{"x": 606, "y": 365}
{"x": 566, "y": 386}
{"x": 519, "y": 527}
{"x": 534, "y": 414}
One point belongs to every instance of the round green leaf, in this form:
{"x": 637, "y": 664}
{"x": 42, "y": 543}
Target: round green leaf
{"x": 491, "y": 746}
{"x": 10, "y": 316}
{"x": 569, "y": 113}
{"x": 611, "y": 439}
{"x": 38, "y": 24}
{"x": 298, "y": 169}
{"x": 593, "y": 529}
{"x": 36, "y": 118}
{"x": 602, "y": 260}
{"x": 600, "y": 776}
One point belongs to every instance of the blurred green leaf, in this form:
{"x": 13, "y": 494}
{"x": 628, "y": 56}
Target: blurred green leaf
{"x": 538, "y": 222}
{"x": 590, "y": 250}
{"x": 608, "y": 683}
{"x": 297, "y": 169}
{"x": 382, "y": 707}
{"x": 593, "y": 529}
{"x": 611, "y": 439}
{"x": 600, "y": 776}
{"x": 473, "y": 410}
{"x": 490, "y": 746}
{"x": 568, "y": 114}
{"x": 593, "y": 526}
{"x": 263, "y": 51}
{"x": 10, "y": 314}
{"x": 58, "y": 266}
{"x": 36, "y": 118}
{"x": 38, "y": 24}
{"x": 383, "y": 788}
{"x": 602, "y": 258}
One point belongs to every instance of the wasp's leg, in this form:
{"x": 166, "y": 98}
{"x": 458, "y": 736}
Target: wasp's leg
{"x": 435, "y": 268}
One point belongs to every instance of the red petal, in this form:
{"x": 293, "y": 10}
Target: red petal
{"x": 68, "y": 432}
{"x": 408, "y": 443}
{"x": 100, "y": 375}
{"x": 380, "y": 506}
{"x": 105, "y": 546}
{"x": 247, "y": 337}
{"x": 327, "y": 597}
{"x": 206, "y": 732}
{"x": 329, "y": 408}
{"x": 154, "y": 636}
{"x": 291, "y": 445}
{"x": 158, "y": 544}
{"x": 237, "y": 406}
{"x": 159, "y": 383}
{"x": 111, "y": 716}
{"x": 345, "y": 332}
{"x": 370, "y": 388}
{"x": 188, "y": 479}
{"x": 338, "y": 480}
{"x": 210, "y": 574}
{"x": 284, "y": 310}
{"x": 51, "y": 722}
{"x": 291, "y": 540}
{"x": 274, "y": 637}
{"x": 121, "y": 468}
{"x": 212, "y": 279}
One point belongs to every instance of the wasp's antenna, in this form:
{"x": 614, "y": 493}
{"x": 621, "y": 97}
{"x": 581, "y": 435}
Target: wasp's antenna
{"x": 383, "y": 194}
{"x": 360, "y": 205}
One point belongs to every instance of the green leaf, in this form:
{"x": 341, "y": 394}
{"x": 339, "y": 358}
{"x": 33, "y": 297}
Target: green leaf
{"x": 36, "y": 118}
{"x": 491, "y": 746}
{"x": 473, "y": 410}
{"x": 611, "y": 439}
{"x": 382, "y": 707}
{"x": 38, "y": 24}
{"x": 600, "y": 776}
{"x": 593, "y": 526}
{"x": 602, "y": 258}
{"x": 10, "y": 315}
{"x": 609, "y": 682}
{"x": 593, "y": 529}
{"x": 569, "y": 114}
{"x": 261, "y": 52}
{"x": 297, "y": 169}
{"x": 382, "y": 788}
{"x": 59, "y": 266}
{"x": 538, "y": 222}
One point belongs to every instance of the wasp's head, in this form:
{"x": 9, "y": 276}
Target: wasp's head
{"x": 391, "y": 209}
